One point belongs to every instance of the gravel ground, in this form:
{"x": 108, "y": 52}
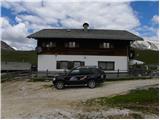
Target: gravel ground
{"x": 23, "y": 99}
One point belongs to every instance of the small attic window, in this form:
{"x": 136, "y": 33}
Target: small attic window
{"x": 50, "y": 44}
{"x": 106, "y": 45}
{"x": 71, "y": 44}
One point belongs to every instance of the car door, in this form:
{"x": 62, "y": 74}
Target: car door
{"x": 74, "y": 77}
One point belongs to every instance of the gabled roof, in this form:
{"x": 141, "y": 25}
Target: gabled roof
{"x": 89, "y": 34}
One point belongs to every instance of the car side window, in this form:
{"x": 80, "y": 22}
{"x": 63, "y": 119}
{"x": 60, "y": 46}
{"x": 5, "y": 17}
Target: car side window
{"x": 84, "y": 71}
{"x": 95, "y": 71}
{"x": 75, "y": 72}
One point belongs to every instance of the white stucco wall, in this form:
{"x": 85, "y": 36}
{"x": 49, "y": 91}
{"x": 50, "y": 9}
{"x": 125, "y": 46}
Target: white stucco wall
{"x": 49, "y": 61}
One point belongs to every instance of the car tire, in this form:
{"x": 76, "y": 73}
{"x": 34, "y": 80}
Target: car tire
{"x": 59, "y": 85}
{"x": 91, "y": 84}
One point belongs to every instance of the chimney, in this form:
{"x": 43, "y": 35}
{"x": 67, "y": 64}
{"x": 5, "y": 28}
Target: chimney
{"x": 85, "y": 27}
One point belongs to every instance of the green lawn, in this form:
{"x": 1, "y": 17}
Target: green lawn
{"x": 142, "y": 100}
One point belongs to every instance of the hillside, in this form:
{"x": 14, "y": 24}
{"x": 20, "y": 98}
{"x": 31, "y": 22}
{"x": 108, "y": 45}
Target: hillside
{"x": 147, "y": 56}
{"x": 19, "y": 56}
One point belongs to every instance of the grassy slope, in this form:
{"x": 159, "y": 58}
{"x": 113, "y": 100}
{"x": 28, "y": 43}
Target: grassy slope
{"x": 142, "y": 100}
{"x": 19, "y": 56}
{"x": 147, "y": 56}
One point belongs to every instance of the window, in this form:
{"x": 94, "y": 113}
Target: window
{"x": 95, "y": 71}
{"x": 85, "y": 71}
{"x": 106, "y": 65}
{"x": 71, "y": 45}
{"x": 78, "y": 63}
{"x": 106, "y": 45}
{"x": 69, "y": 64}
{"x": 75, "y": 72}
{"x": 62, "y": 65}
{"x": 50, "y": 44}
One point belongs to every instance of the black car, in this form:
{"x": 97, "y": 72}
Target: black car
{"x": 89, "y": 76}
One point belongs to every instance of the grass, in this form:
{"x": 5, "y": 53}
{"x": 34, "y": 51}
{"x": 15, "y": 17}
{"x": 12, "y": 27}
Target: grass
{"x": 146, "y": 100}
{"x": 147, "y": 56}
{"x": 129, "y": 78}
{"x": 7, "y": 77}
{"x": 19, "y": 56}
{"x": 39, "y": 79}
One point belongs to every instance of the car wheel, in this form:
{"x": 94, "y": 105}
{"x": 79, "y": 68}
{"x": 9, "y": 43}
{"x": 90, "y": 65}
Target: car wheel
{"x": 91, "y": 84}
{"x": 59, "y": 85}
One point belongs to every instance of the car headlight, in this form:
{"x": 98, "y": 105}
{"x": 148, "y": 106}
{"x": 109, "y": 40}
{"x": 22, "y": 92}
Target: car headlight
{"x": 54, "y": 79}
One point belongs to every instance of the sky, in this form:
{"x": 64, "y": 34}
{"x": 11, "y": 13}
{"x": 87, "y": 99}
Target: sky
{"x": 20, "y": 18}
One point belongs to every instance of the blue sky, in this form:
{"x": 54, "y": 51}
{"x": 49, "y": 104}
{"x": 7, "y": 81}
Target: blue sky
{"x": 22, "y": 18}
{"x": 146, "y": 10}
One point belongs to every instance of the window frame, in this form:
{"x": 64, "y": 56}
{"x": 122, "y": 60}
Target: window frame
{"x": 70, "y": 64}
{"x": 48, "y": 44}
{"x": 52, "y": 44}
{"x": 99, "y": 62}
{"x": 71, "y": 44}
{"x": 106, "y": 45}
{"x": 58, "y": 66}
{"x": 82, "y": 63}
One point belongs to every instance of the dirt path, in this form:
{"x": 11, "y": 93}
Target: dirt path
{"x": 22, "y": 99}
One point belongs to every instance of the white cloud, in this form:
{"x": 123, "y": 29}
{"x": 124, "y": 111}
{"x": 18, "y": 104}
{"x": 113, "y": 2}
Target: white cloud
{"x": 155, "y": 19}
{"x": 150, "y": 33}
{"x": 65, "y": 1}
{"x": 15, "y": 35}
{"x": 37, "y": 15}
{"x": 152, "y": 29}
{"x": 99, "y": 14}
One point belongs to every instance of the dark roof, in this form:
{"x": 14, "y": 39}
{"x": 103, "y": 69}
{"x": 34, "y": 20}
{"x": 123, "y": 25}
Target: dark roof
{"x": 90, "y": 34}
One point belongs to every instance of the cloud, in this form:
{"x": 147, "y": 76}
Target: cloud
{"x": 65, "y": 1}
{"x": 15, "y": 35}
{"x": 155, "y": 19}
{"x": 153, "y": 30}
{"x": 33, "y": 16}
{"x": 102, "y": 15}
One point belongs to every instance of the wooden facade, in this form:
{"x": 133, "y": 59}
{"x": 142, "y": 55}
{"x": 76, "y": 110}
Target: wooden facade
{"x": 83, "y": 47}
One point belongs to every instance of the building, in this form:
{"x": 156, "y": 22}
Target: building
{"x": 60, "y": 49}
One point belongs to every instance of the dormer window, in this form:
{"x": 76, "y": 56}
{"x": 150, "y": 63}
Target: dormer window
{"x": 71, "y": 44}
{"x": 106, "y": 45}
